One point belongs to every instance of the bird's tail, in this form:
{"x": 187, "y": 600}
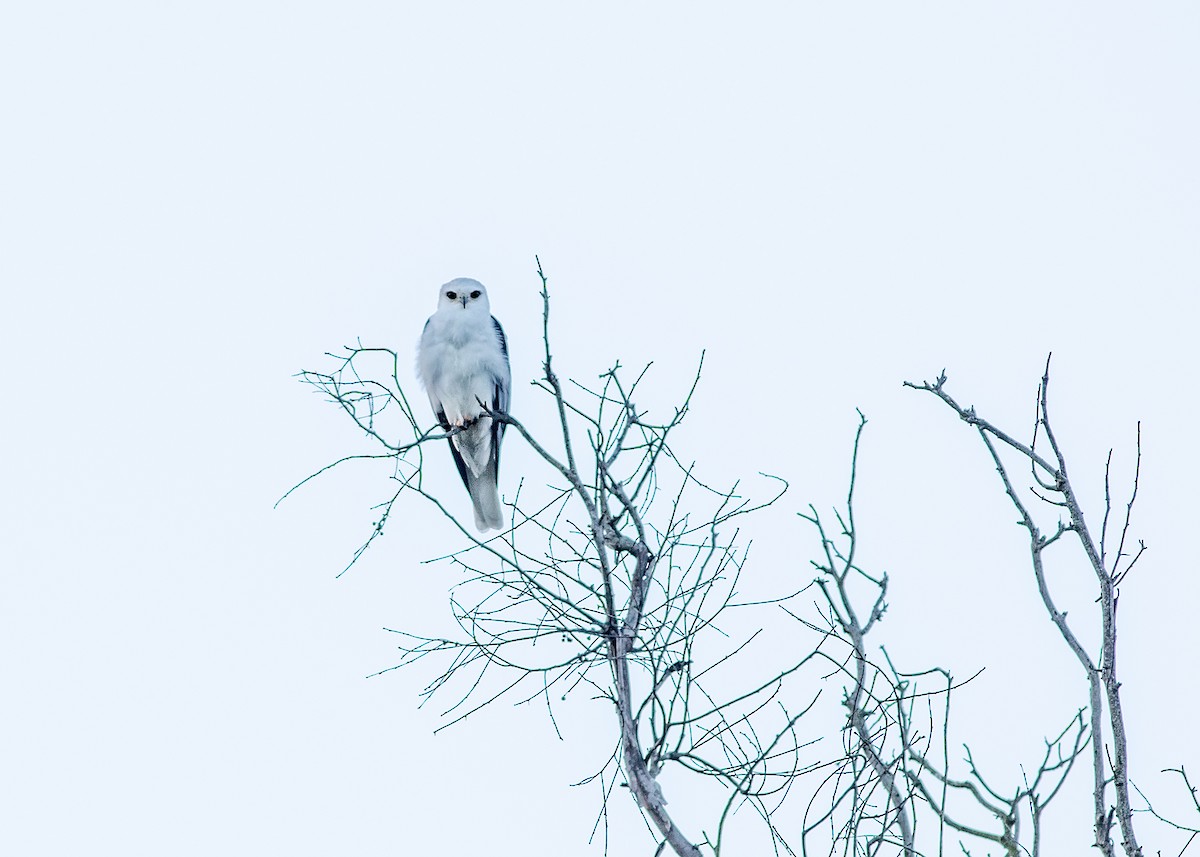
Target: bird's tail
{"x": 485, "y": 497}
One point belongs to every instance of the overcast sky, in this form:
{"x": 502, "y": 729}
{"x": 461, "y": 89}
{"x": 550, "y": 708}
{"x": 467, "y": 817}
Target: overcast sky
{"x": 199, "y": 200}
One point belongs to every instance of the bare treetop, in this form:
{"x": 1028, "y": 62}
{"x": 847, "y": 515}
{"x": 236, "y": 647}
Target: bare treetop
{"x": 618, "y": 572}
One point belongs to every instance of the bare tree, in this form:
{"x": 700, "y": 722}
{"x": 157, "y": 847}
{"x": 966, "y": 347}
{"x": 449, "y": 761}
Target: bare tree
{"x": 620, "y": 577}
{"x": 624, "y": 574}
{"x": 1051, "y": 486}
{"x": 888, "y": 778}
{"x": 872, "y": 701}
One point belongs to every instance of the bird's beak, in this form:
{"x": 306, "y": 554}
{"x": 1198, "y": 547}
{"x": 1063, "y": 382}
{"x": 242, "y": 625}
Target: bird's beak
{"x": 463, "y": 300}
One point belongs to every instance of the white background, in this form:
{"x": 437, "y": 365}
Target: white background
{"x": 199, "y": 200}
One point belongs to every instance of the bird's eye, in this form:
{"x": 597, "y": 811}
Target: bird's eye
{"x": 475, "y": 293}
{"x": 452, "y": 296}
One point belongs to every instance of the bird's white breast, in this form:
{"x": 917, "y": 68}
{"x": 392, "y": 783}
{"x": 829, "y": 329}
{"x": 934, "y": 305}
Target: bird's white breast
{"x": 459, "y": 361}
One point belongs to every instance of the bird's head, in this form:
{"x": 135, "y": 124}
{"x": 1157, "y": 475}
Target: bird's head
{"x": 465, "y": 294}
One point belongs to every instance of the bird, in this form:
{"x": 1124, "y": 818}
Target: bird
{"x": 462, "y": 362}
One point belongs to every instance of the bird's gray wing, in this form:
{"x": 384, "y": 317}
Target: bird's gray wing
{"x": 458, "y": 459}
{"x": 500, "y": 397}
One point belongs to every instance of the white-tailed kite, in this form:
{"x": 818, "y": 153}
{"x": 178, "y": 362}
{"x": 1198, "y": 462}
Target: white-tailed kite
{"x": 462, "y": 361}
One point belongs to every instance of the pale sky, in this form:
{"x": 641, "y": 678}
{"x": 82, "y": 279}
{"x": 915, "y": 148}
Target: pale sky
{"x": 198, "y": 200}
